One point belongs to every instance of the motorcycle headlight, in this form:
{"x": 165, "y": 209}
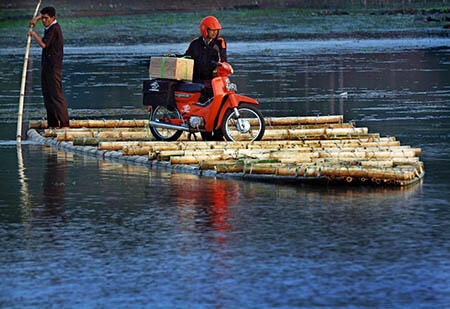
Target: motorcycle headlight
{"x": 231, "y": 87}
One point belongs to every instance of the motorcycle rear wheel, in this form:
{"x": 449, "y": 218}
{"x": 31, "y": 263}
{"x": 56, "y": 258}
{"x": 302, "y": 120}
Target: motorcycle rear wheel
{"x": 162, "y": 114}
{"x": 250, "y": 125}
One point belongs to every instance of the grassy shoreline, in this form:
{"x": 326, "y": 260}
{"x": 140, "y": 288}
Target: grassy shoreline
{"x": 239, "y": 25}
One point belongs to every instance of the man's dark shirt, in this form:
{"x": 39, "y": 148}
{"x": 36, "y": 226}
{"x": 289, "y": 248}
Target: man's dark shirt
{"x": 53, "y": 53}
{"x": 51, "y": 77}
{"x": 206, "y": 57}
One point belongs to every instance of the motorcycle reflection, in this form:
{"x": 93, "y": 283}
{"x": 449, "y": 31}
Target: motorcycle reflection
{"x": 205, "y": 205}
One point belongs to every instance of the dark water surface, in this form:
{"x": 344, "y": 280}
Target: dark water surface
{"x": 81, "y": 232}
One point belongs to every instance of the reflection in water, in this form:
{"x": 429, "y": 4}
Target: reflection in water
{"x": 54, "y": 186}
{"x": 204, "y": 204}
{"x": 193, "y": 241}
{"x": 202, "y": 239}
{"x": 123, "y": 169}
{"x": 24, "y": 192}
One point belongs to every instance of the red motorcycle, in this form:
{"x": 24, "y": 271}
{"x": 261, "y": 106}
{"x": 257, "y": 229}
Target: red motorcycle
{"x": 176, "y": 107}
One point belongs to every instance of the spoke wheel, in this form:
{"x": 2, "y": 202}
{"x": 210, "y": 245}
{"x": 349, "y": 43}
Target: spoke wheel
{"x": 162, "y": 114}
{"x": 250, "y": 125}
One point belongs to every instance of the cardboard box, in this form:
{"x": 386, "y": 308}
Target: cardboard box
{"x": 171, "y": 68}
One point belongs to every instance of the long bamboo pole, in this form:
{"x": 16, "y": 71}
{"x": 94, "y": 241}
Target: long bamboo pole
{"x": 270, "y": 121}
{"x": 24, "y": 76}
{"x": 332, "y": 171}
{"x": 372, "y": 153}
{"x": 105, "y": 144}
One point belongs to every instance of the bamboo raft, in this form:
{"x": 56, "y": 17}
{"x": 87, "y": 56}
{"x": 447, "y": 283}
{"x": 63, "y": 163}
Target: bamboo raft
{"x": 305, "y": 149}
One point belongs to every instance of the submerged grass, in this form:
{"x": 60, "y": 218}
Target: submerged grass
{"x": 243, "y": 24}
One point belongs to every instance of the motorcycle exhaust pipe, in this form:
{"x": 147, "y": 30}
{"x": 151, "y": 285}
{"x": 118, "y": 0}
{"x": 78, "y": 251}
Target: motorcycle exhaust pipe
{"x": 163, "y": 125}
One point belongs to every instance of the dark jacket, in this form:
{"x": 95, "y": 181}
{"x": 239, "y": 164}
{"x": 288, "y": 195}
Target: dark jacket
{"x": 206, "y": 57}
{"x": 53, "y": 53}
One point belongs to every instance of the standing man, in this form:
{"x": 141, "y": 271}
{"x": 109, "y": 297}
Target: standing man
{"x": 51, "y": 79}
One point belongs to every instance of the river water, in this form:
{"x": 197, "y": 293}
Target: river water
{"x": 79, "y": 232}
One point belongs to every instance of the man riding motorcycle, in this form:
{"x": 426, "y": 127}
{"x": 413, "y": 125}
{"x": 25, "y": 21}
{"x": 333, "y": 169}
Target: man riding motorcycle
{"x": 206, "y": 51}
{"x": 217, "y": 115}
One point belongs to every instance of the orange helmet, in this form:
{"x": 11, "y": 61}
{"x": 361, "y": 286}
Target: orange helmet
{"x": 209, "y": 22}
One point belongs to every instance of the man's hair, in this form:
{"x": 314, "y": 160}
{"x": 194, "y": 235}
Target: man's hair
{"x": 49, "y": 10}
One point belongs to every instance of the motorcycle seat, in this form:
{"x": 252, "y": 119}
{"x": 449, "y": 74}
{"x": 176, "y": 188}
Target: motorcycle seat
{"x": 190, "y": 87}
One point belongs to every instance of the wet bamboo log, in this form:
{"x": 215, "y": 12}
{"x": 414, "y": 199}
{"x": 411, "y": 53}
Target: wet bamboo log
{"x": 319, "y": 129}
{"x": 156, "y": 150}
{"x": 270, "y": 121}
{"x": 283, "y": 134}
{"x": 308, "y": 170}
{"x": 273, "y": 134}
{"x": 292, "y": 151}
{"x": 127, "y": 134}
{"x": 118, "y": 135}
{"x": 69, "y": 136}
{"x": 108, "y": 144}
{"x": 212, "y": 164}
{"x": 293, "y": 156}
{"x": 89, "y": 123}
{"x": 166, "y": 155}
{"x": 368, "y": 154}
{"x": 338, "y": 145}
{"x": 93, "y": 141}
{"x": 293, "y": 137}
{"x": 357, "y": 172}
{"x": 276, "y": 121}
{"x": 55, "y": 132}
{"x": 197, "y": 159}
{"x": 311, "y": 126}
{"x": 298, "y": 157}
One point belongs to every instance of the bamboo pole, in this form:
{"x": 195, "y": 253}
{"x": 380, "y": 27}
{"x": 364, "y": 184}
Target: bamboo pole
{"x": 195, "y": 160}
{"x": 273, "y": 134}
{"x": 118, "y": 135}
{"x": 212, "y": 164}
{"x": 93, "y": 141}
{"x": 24, "y": 75}
{"x": 136, "y": 132}
{"x": 196, "y": 157}
{"x": 372, "y": 152}
{"x": 270, "y": 121}
{"x": 119, "y": 145}
{"x": 105, "y": 144}
{"x": 55, "y": 132}
{"x": 96, "y": 123}
{"x": 310, "y": 126}
{"x": 308, "y": 170}
{"x": 274, "y": 121}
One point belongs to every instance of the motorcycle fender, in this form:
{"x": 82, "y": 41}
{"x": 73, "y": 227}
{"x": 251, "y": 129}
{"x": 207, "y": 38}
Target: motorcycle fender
{"x": 232, "y": 102}
{"x": 237, "y": 98}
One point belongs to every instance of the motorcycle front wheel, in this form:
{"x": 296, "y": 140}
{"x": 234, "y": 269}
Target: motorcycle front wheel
{"x": 249, "y": 126}
{"x": 162, "y": 114}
